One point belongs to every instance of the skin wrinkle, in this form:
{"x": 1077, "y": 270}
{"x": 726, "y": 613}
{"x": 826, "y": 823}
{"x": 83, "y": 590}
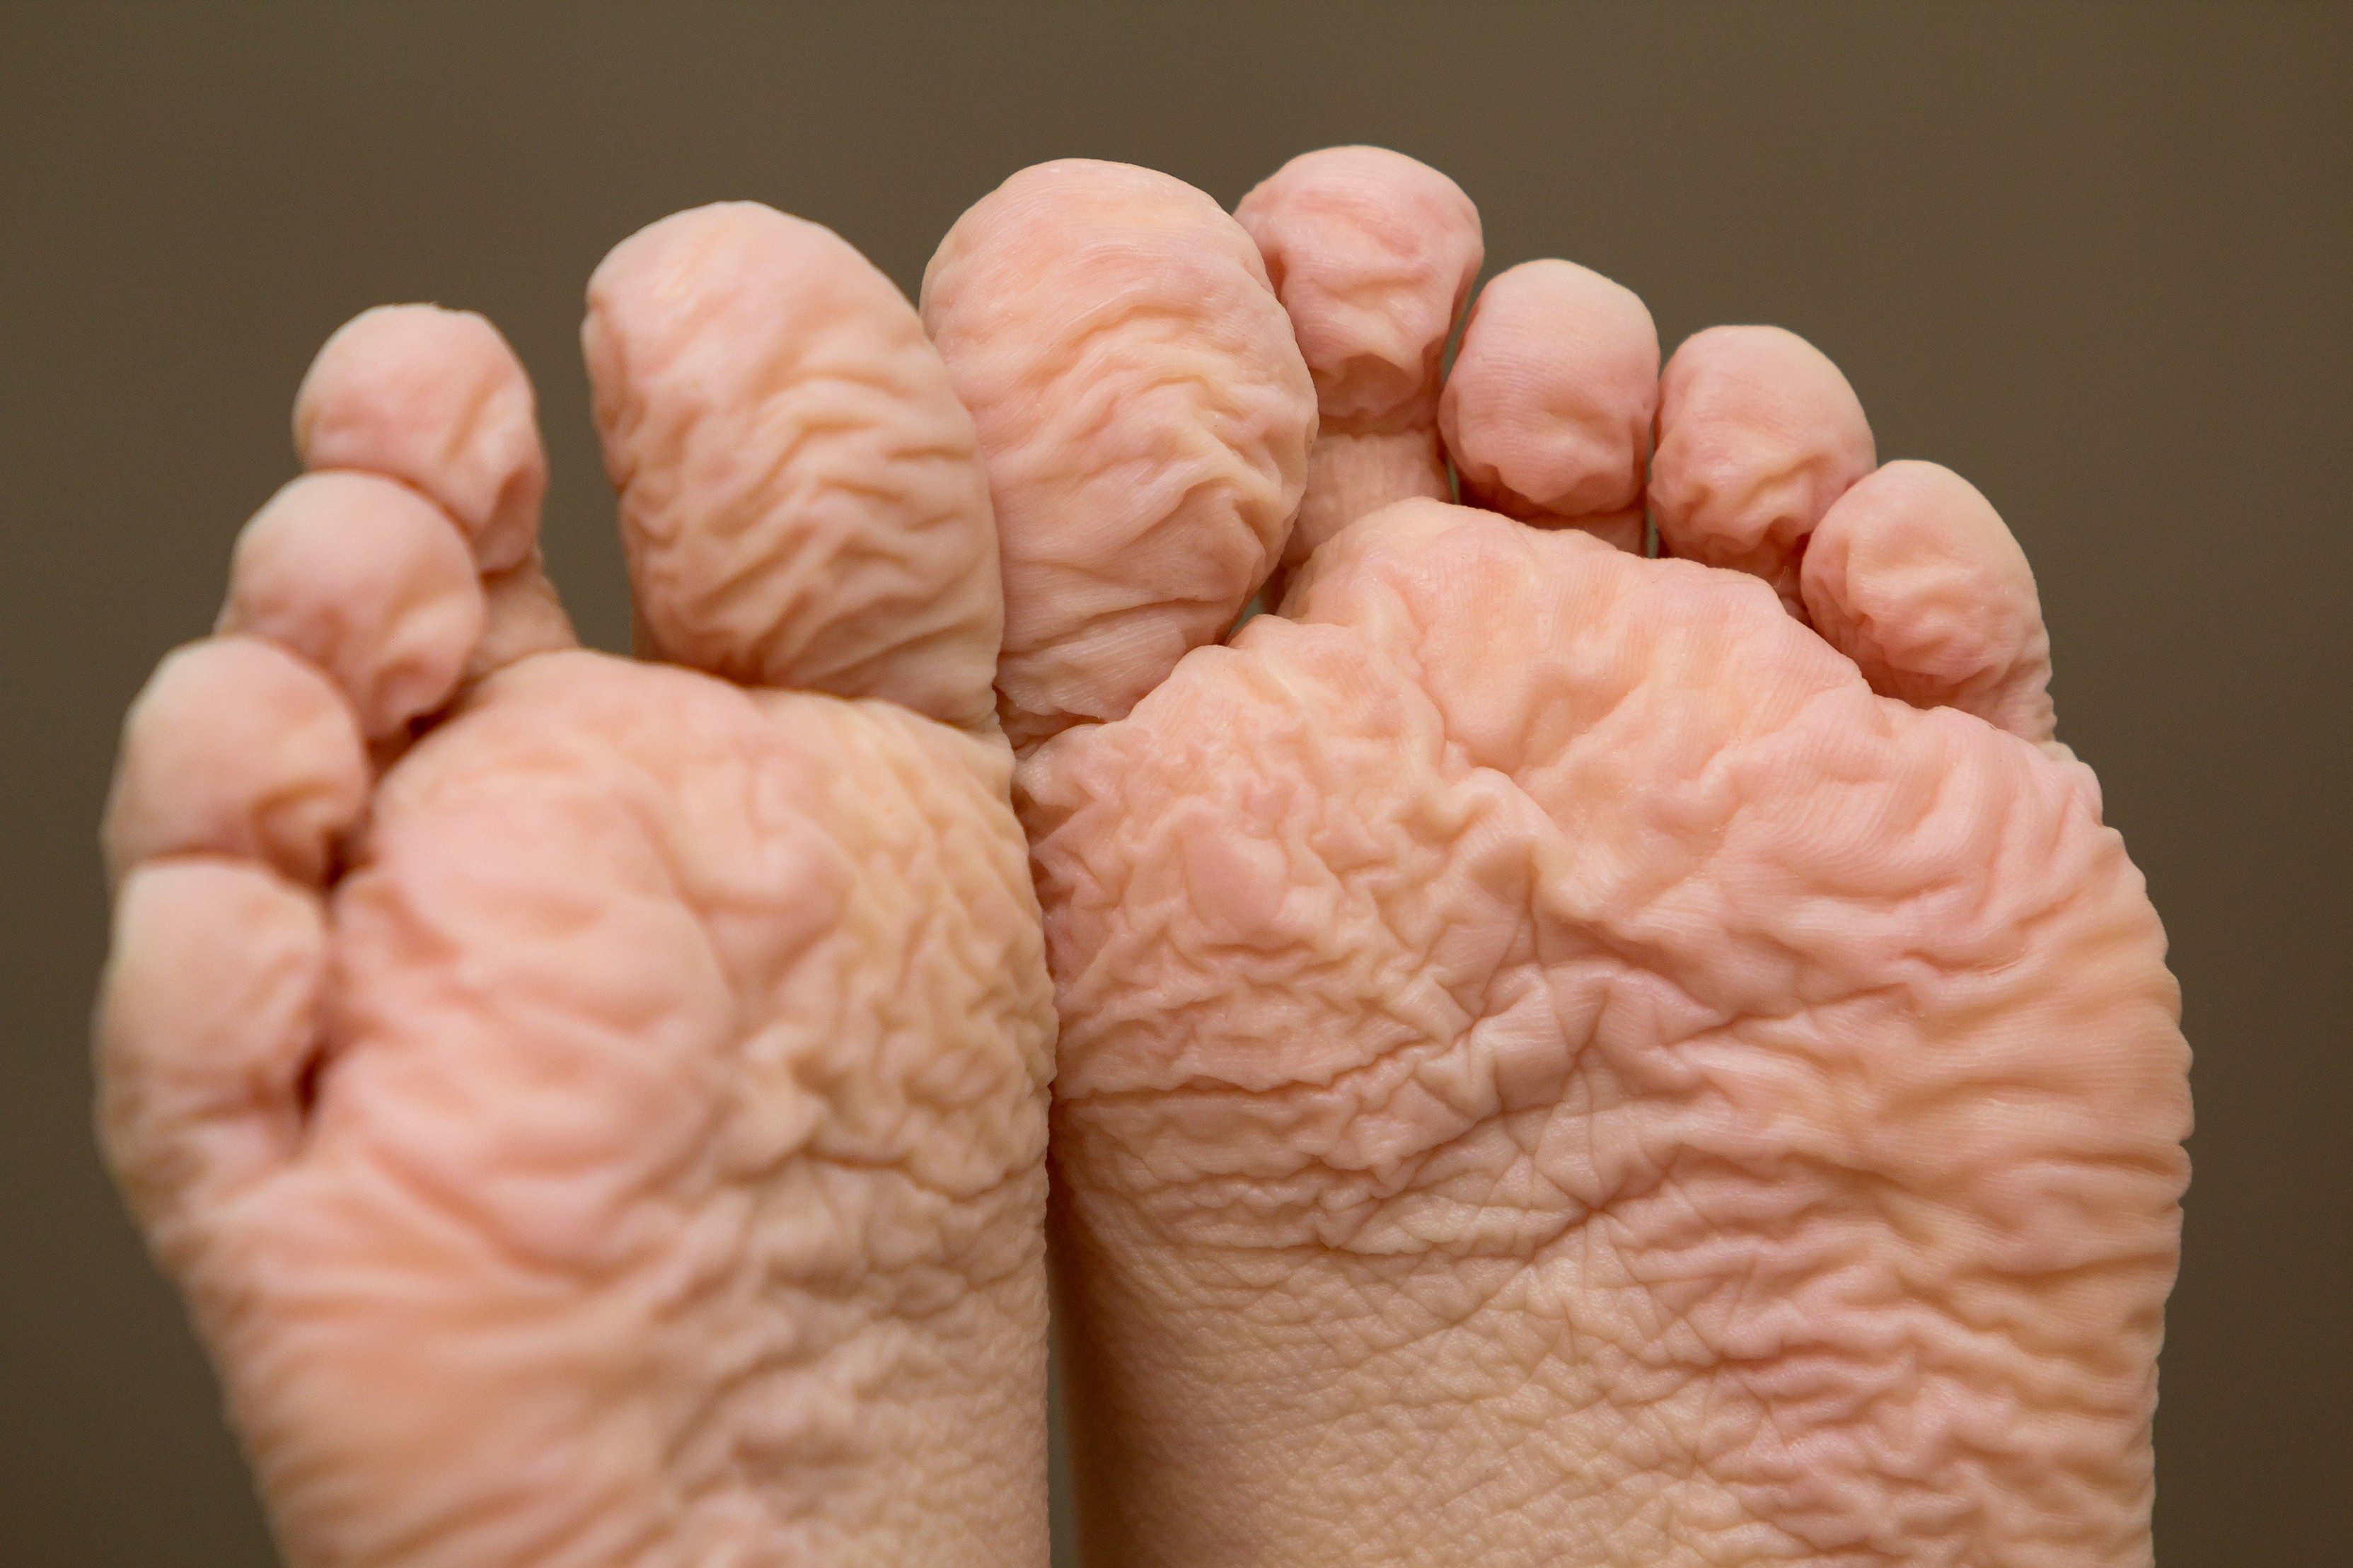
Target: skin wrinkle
{"x": 1372, "y": 256}
{"x": 1552, "y": 1065}
{"x": 1710, "y": 1052}
{"x": 1470, "y": 1132}
{"x": 673, "y": 870}
{"x": 1093, "y": 318}
{"x": 670, "y": 1190}
{"x": 788, "y": 409}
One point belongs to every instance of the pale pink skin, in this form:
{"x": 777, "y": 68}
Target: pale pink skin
{"x": 1565, "y": 1057}
{"x": 610, "y": 1130}
{"x": 1569, "y": 1058}
{"x": 1373, "y": 256}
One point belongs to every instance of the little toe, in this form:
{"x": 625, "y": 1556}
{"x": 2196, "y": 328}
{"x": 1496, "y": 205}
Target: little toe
{"x": 237, "y": 748}
{"x": 1144, "y": 416}
{"x": 438, "y": 400}
{"x": 1759, "y": 434}
{"x": 1372, "y": 254}
{"x": 1549, "y": 408}
{"x": 801, "y": 499}
{"x": 207, "y": 1022}
{"x": 365, "y": 579}
{"x": 1912, "y": 574}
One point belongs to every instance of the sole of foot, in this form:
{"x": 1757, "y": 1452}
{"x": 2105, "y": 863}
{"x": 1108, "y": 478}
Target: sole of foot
{"x": 1566, "y": 1057}
{"x": 594, "y": 1110}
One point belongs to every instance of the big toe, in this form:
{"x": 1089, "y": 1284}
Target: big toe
{"x": 801, "y": 500}
{"x": 1145, "y": 415}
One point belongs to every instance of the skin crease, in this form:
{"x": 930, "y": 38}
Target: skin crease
{"x": 432, "y": 399}
{"x": 1564, "y": 1058}
{"x": 611, "y": 1128}
{"x": 1149, "y": 422}
{"x": 1372, "y": 254}
{"x": 1759, "y": 434}
{"x": 1561, "y": 1061}
{"x": 1549, "y": 409}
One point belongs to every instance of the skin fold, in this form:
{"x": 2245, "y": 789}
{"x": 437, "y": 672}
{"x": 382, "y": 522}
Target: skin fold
{"x": 1446, "y": 1011}
{"x": 594, "y": 1110}
{"x": 1557, "y": 1056}
{"x": 1569, "y": 1057}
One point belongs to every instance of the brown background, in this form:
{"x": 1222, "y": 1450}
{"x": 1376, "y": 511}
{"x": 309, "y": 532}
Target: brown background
{"x": 2098, "y": 259}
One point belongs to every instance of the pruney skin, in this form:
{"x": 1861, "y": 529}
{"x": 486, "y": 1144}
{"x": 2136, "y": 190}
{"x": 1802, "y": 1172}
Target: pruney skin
{"x": 1563, "y": 1057}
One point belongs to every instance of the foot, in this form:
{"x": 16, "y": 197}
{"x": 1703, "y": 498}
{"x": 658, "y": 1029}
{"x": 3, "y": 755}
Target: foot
{"x": 594, "y": 1110}
{"x": 1566, "y": 1057}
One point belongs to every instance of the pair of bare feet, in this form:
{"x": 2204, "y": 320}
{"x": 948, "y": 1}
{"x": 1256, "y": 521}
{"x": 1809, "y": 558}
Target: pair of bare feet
{"x": 1564, "y": 1056}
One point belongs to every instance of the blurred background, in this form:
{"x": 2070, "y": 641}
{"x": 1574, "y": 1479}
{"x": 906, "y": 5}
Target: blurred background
{"x": 2099, "y": 259}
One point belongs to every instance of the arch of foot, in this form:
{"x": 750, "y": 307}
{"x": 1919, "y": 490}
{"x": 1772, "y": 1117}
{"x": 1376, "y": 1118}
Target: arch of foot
{"x": 356, "y": 605}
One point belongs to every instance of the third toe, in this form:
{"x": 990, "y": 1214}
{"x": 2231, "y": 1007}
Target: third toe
{"x": 237, "y": 749}
{"x": 365, "y": 579}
